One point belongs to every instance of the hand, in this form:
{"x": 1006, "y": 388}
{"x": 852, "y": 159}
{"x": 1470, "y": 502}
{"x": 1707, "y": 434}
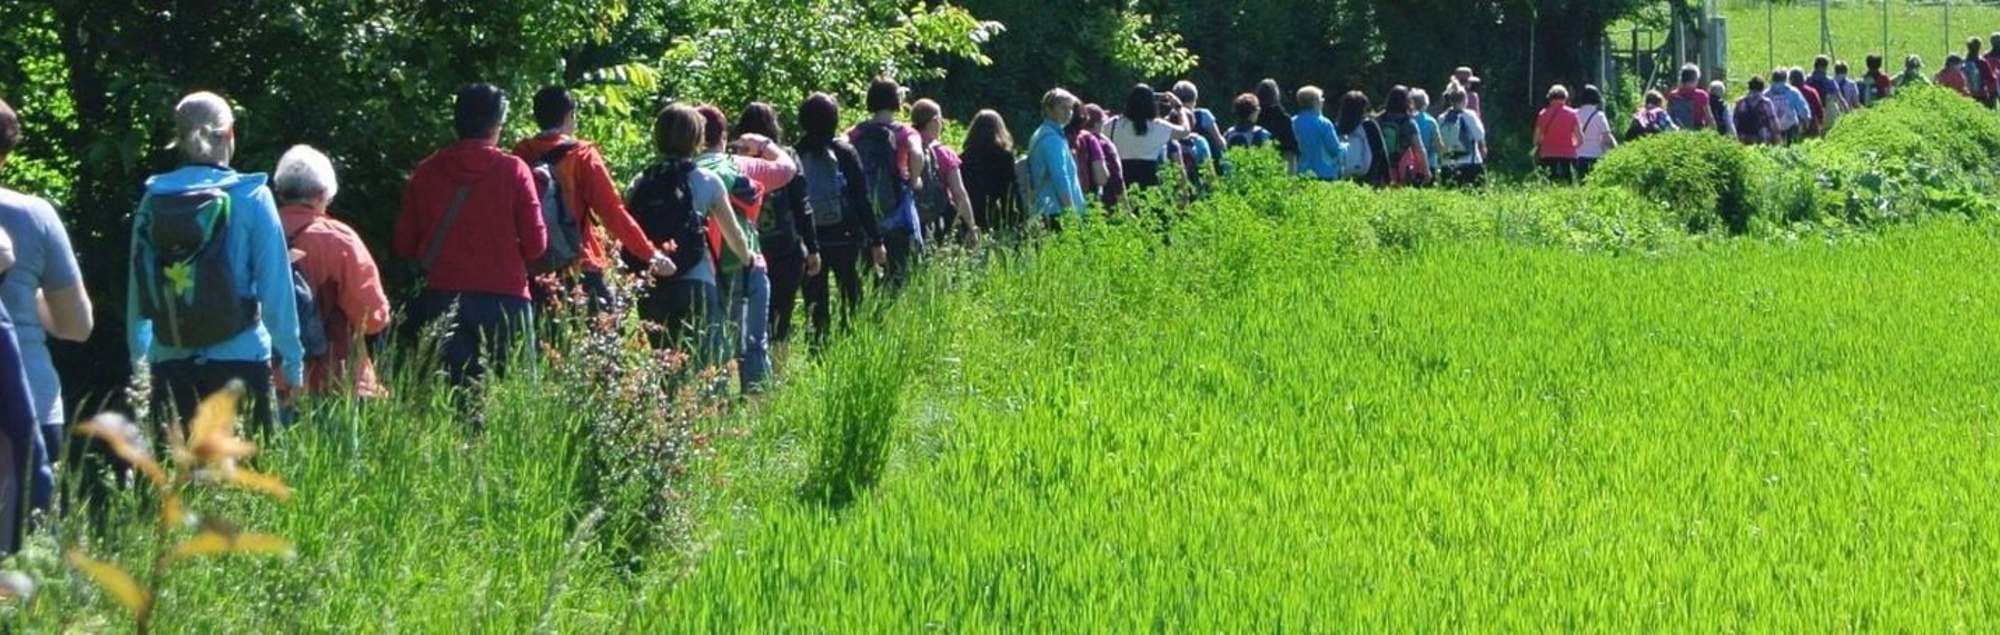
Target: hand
{"x": 757, "y": 262}
{"x": 878, "y": 255}
{"x": 812, "y": 264}
{"x": 970, "y": 237}
{"x": 662, "y": 267}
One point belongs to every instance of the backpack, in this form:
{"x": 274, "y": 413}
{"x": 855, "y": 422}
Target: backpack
{"x": 933, "y": 203}
{"x": 876, "y": 143}
{"x": 1359, "y": 157}
{"x": 1749, "y": 118}
{"x": 775, "y": 223}
{"x": 1787, "y": 117}
{"x": 181, "y": 271}
{"x": 1458, "y": 143}
{"x": 1975, "y": 80}
{"x": 1240, "y": 138}
{"x": 826, "y": 186}
{"x": 662, "y": 203}
{"x": 565, "y": 233}
{"x": 1412, "y": 167}
{"x": 746, "y": 200}
{"x": 1654, "y": 121}
{"x": 1685, "y": 112}
{"x": 312, "y": 325}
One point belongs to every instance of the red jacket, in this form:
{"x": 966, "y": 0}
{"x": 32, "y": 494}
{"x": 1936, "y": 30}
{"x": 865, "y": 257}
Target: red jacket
{"x": 499, "y": 228}
{"x": 587, "y": 185}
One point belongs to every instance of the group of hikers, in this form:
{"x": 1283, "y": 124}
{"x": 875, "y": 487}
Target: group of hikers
{"x": 1794, "y": 104}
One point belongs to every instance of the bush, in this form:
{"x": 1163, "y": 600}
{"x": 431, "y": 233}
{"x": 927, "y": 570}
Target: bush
{"x": 1927, "y": 151}
{"x": 1704, "y": 179}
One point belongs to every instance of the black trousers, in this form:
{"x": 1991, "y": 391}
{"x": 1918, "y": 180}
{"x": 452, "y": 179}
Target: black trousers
{"x": 681, "y": 307}
{"x": 786, "y": 262}
{"x": 842, "y": 263}
{"x": 180, "y": 385}
{"x": 902, "y": 248}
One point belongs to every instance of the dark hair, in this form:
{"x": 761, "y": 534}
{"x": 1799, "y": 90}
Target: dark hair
{"x": 1690, "y": 74}
{"x": 552, "y": 104}
{"x": 760, "y": 118}
{"x": 1840, "y": 67}
{"x": 1269, "y": 97}
{"x": 1756, "y": 83}
{"x": 1247, "y": 107}
{"x": 1141, "y": 107}
{"x": 1397, "y": 101}
{"x": 1796, "y": 77}
{"x": 884, "y": 94}
{"x": 1822, "y": 62}
{"x": 1972, "y": 45}
{"x": 481, "y": 107}
{"x": 1590, "y": 95}
{"x": 10, "y": 129}
{"x": 988, "y": 130}
{"x": 1874, "y": 62}
{"x": 1353, "y": 109}
{"x": 714, "y": 126}
{"x": 677, "y": 131}
{"x": 819, "y": 114}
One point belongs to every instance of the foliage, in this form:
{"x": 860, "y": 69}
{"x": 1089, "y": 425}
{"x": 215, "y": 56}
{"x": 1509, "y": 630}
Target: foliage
{"x": 1704, "y": 177}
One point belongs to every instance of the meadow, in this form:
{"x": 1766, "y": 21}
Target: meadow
{"x": 1763, "y": 34}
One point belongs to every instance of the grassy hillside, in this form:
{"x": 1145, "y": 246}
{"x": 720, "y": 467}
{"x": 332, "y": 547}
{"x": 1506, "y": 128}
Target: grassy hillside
{"x": 1789, "y": 33}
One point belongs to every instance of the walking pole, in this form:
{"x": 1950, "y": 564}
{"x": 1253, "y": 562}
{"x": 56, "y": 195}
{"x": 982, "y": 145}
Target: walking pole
{"x": 1771, "y": 33}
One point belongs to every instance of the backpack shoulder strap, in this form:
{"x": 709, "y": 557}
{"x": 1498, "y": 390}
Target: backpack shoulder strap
{"x": 444, "y": 226}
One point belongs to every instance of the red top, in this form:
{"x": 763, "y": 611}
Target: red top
{"x": 1697, "y": 98}
{"x": 1954, "y": 77}
{"x": 587, "y": 185}
{"x": 1814, "y": 104}
{"x": 499, "y": 228}
{"x": 348, "y": 290}
{"x": 1561, "y": 134}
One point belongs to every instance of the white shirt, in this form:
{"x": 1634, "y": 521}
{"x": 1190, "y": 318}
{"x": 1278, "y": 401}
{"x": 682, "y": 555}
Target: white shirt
{"x": 1596, "y": 132}
{"x": 1133, "y": 146}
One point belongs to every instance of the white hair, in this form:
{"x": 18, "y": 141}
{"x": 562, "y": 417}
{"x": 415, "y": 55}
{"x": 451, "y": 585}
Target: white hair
{"x": 304, "y": 174}
{"x": 1312, "y": 98}
{"x": 202, "y": 122}
{"x": 1420, "y": 99}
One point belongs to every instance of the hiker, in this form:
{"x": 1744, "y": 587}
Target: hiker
{"x": 945, "y": 195}
{"x": 1463, "y": 136}
{"x": 1319, "y": 147}
{"x": 1850, "y": 91}
{"x": 843, "y": 213}
{"x": 1594, "y": 134}
{"x": 1718, "y": 109}
{"x": 22, "y": 453}
{"x": 1272, "y": 117}
{"x": 1402, "y": 139}
{"x": 1992, "y": 58}
{"x": 1051, "y": 173}
{"x": 1652, "y": 118}
{"x": 1913, "y": 73}
{"x": 989, "y": 174}
{"x": 1463, "y": 77}
{"x": 43, "y": 290}
{"x": 892, "y": 158}
{"x": 758, "y": 168}
{"x": 1689, "y": 105}
{"x": 335, "y": 264}
{"x": 1952, "y": 75}
{"x": 1094, "y": 154}
{"x": 203, "y": 318}
{"x": 1558, "y": 133}
{"x": 1877, "y": 85}
{"x": 1202, "y": 123}
{"x": 1141, "y": 136}
{"x": 1246, "y": 133}
{"x": 673, "y": 201}
{"x": 1366, "y": 159}
{"x": 1980, "y": 74}
{"x": 1794, "y": 114}
{"x": 1755, "y": 116}
{"x": 1190, "y": 153}
{"x": 583, "y": 186}
{"x": 1815, "y": 123}
{"x": 1832, "y": 98}
{"x": 786, "y": 234}
{"x": 1427, "y": 127}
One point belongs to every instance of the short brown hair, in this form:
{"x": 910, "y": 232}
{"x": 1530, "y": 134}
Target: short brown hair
{"x": 922, "y": 112}
{"x": 677, "y": 131}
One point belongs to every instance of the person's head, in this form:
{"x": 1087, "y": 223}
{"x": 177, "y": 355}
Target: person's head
{"x": 1717, "y": 88}
{"x": 1873, "y": 62}
{"x": 1913, "y": 62}
{"x": 928, "y": 118}
{"x": 1141, "y": 104}
{"x": 555, "y": 110}
{"x": 304, "y": 177}
{"x": 819, "y": 115}
{"x": 1461, "y": 74}
{"x": 1092, "y": 116}
{"x": 1558, "y": 92}
{"x": 1353, "y": 108}
{"x": 1454, "y": 96}
{"x": 1993, "y": 43}
{"x": 1397, "y": 100}
{"x": 1797, "y": 76}
{"x": 1952, "y": 61}
{"x": 760, "y": 118}
{"x": 1654, "y": 99}
{"x": 1420, "y": 99}
{"x": 1246, "y": 108}
{"x": 1590, "y": 95}
{"x": 677, "y": 132}
{"x": 1269, "y": 96}
{"x": 1187, "y": 93}
{"x": 1781, "y": 75}
{"x": 1690, "y": 74}
{"x": 988, "y": 131}
{"x": 204, "y": 129}
{"x": 1972, "y": 45}
{"x": 10, "y": 131}
{"x": 1059, "y": 105}
{"x": 1756, "y": 84}
{"x": 1840, "y": 68}
{"x": 884, "y": 95}
{"x": 1311, "y": 99}
{"x": 480, "y": 110}
{"x": 1821, "y": 63}
{"x": 714, "y": 127}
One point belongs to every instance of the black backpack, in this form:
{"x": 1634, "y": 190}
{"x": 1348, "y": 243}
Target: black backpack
{"x": 312, "y": 326}
{"x": 826, "y": 186}
{"x": 774, "y": 224}
{"x": 662, "y": 203}
{"x": 181, "y": 271}
{"x": 933, "y": 202}
{"x": 565, "y": 233}
{"x": 1748, "y": 116}
{"x": 876, "y": 144}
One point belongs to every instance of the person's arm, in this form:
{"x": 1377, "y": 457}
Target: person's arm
{"x": 1540, "y": 123}
{"x": 531, "y": 234}
{"x": 6, "y": 251}
{"x": 361, "y": 297}
{"x": 1180, "y": 132}
{"x": 858, "y": 205}
{"x": 802, "y": 214}
{"x": 768, "y": 165}
{"x": 954, "y": 183}
{"x": 271, "y": 274}
{"x": 138, "y": 330}
{"x": 1100, "y": 170}
{"x": 63, "y": 303}
{"x": 917, "y": 159}
{"x": 732, "y": 233}
{"x": 1067, "y": 185}
{"x": 600, "y": 195}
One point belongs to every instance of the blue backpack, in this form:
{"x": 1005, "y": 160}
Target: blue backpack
{"x": 181, "y": 272}
{"x": 877, "y": 144}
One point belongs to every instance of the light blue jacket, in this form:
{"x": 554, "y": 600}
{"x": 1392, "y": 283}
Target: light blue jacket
{"x": 1427, "y": 132}
{"x": 263, "y": 270}
{"x": 1785, "y": 96}
{"x": 1320, "y": 149}
{"x": 1052, "y": 168}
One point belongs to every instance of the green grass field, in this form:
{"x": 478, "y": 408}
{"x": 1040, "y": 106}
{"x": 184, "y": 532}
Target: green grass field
{"x": 1762, "y": 35}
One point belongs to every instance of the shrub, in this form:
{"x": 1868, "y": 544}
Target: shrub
{"x": 1704, "y": 179}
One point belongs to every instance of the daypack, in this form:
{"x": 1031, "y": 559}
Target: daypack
{"x": 1749, "y": 118}
{"x": 312, "y": 326}
{"x": 746, "y": 200}
{"x": 1240, "y": 138}
{"x": 826, "y": 186}
{"x": 1458, "y": 143}
{"x": 876, "y": 143}
{"x": 181, "y": 270}
{"x": 1975, "y": 77}
{"x": 1412, "y": 167}
{"x": 662, "y": 203}
{"x": 1649, "y": 122}
{"x": 1787, "y": 117}
{"x": 775, "y": 224}
{"x": 565, "y": 233}
{"x": 1884, "y": 87}
{"x": 1358, "y": 157}
{"x": 933, "y": 202}
{"x": 1024, "y": 185}
{"x": 1685, "y": 112}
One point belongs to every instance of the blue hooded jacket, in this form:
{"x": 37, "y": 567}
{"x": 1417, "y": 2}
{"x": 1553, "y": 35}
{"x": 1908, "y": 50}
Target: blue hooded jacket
{"x": 262, "y": 266}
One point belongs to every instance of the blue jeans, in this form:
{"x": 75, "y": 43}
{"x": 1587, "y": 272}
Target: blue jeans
{"x": 484, "y": 333}
{"x": 749, "y": 293}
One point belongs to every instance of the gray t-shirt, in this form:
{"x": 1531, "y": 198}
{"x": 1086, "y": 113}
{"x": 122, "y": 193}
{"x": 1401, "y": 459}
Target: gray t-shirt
{"x": 44, "y": 261}
{"x": 706, "y": 188}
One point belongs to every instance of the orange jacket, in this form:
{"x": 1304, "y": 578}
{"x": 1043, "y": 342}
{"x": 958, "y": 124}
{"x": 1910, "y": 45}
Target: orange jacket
{"x": 587, "y": 185}
{"x": 348, "y": 289}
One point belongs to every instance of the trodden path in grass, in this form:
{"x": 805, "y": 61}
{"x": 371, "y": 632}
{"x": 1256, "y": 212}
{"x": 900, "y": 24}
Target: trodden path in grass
{"x": 1792, "y": 437}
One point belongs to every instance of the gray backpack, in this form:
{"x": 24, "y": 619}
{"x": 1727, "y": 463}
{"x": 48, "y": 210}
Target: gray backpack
{"x": 826, "y": 186}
